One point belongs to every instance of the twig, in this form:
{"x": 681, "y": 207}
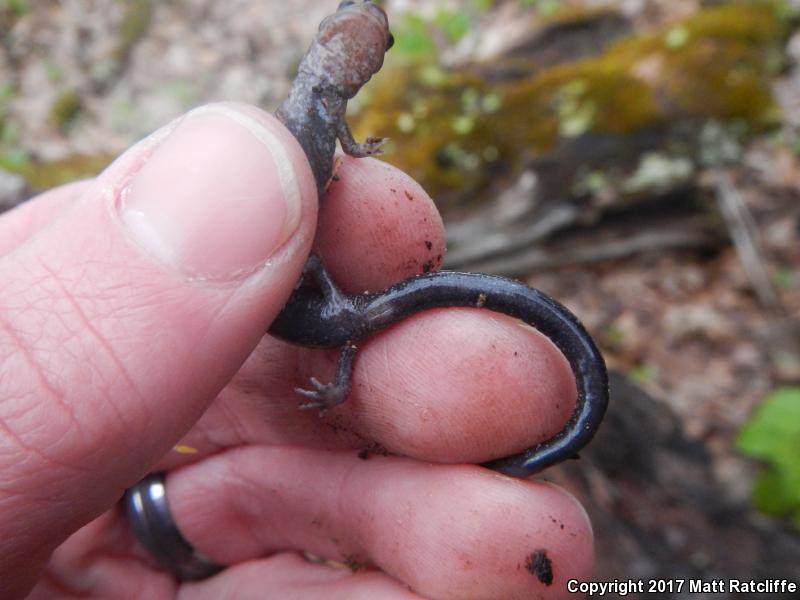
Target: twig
{"x": 513, "y": 221}
{"x": 487, "y": 245}
{"x": 539, "y": 258}
{"x": 744, "y": 235}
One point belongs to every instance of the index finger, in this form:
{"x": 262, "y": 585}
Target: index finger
{"x": 451, "y": 385}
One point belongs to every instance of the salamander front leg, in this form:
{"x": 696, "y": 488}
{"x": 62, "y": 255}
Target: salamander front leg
{"x": 370, "y": 147}
{"x": 327, "y": 395}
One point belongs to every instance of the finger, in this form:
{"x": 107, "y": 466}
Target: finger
{"x": 30, "y": 217}
{"x": 459, "y": 385}
{"x": 121, "y": 324}
{"x": 452, "y": 385}
{"x": 445, "y": 531}
{"x": 377, "y": 226}
{"x": 102, "y": 560}
{"x": 96, "y": 549}
{"x": 288, "y": 576}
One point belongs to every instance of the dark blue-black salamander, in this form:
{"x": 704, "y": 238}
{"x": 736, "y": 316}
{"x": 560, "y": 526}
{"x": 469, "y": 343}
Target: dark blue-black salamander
{"x": 346, "y": 52}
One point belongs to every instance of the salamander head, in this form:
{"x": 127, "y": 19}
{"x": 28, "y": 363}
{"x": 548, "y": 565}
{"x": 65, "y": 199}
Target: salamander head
{"x": 350, "y": 45}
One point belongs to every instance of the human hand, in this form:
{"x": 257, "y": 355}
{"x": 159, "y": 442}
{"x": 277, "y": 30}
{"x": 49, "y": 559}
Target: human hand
{"x": 132, "y": 313}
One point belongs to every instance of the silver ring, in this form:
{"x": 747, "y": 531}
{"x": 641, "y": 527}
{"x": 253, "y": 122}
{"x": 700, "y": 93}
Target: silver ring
{"x": 152, "y": 523}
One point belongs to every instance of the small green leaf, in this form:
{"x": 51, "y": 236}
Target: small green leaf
{"x": 412, "y": 37}
{"x": 455, "y": 24}
{"x": 770, "y": 494}
{"x": 774, "y": 430}
{"x": 643, "y": 373}
{"x": 773, "y": 435}
{"x": 677, "y": 37}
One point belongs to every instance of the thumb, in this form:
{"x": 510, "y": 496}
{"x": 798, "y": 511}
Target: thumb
{"x": 122, "y": 319}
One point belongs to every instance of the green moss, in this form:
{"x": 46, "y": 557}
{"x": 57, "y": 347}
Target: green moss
{"x": 717, "y": 68}
{"x": 42, "y": 175}
{"x": 457, "y": 132}
{"x": 616, "y": 101}
{"x": 437, "y": 125}
{"x": 570, "y": 14}
{"x": 65, "y": 109}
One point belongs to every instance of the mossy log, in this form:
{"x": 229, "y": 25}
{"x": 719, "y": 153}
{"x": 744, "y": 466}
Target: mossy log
{"x": 584, "y": 121}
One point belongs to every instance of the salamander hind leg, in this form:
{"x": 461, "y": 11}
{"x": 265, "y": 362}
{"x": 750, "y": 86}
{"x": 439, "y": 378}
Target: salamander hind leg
{"x": 328, "y": 395}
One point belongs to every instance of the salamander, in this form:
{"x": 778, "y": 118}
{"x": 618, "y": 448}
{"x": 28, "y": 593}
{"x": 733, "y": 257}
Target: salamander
{"x": 348, "y": 49}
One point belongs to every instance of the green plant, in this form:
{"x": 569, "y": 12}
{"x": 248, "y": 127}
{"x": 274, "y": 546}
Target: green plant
{"x": 643, "y": 373}
{"x": 412, "y": 37}
{"x": 16, "y": 8}
{"x": 416, "y": 35}
{"x": 773, "y": 436}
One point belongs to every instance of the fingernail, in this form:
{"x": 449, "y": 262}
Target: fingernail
{"x": 216, "y": 198}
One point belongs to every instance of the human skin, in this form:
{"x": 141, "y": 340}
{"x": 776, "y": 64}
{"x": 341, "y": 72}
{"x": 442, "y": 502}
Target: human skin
{"x": 132, "y": 316}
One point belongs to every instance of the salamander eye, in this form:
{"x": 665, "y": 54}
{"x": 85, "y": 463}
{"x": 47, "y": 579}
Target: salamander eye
{"x": 345, "y": 4}
{"x": 390, "y": 42}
